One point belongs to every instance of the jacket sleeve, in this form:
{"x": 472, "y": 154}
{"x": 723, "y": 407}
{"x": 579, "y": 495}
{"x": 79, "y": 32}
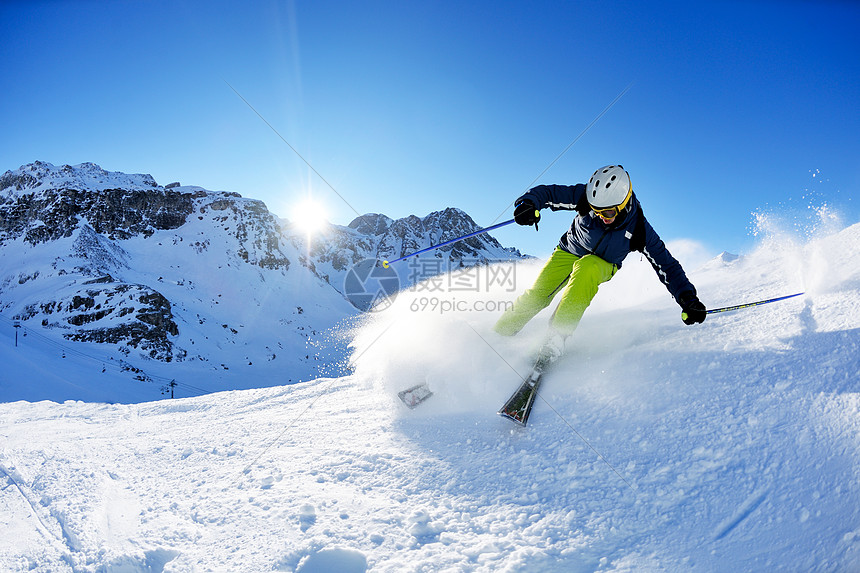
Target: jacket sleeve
{"x": 556, "y": 197}
{"x": 666, "y": 266}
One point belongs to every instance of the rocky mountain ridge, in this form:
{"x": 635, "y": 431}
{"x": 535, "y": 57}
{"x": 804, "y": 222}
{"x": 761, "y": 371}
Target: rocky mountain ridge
{"x": 377, "y": 237}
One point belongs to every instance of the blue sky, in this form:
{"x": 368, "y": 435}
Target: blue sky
{"x": 410, "y": 107}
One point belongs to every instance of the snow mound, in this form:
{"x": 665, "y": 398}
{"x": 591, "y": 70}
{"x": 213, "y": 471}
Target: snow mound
{"x": 341, "y": 560}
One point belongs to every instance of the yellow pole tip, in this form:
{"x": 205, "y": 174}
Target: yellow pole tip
{"x": 385, "y": 264}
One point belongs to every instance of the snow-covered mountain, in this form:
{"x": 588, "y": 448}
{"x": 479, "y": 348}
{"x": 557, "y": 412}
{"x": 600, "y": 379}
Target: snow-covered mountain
{"x": 379, "y": 238}
{"x": 733, "y": 445}
{"x": 209, "y": 282}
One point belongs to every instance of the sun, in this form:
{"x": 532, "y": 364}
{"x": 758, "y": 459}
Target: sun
{"x": 310, "y": 216}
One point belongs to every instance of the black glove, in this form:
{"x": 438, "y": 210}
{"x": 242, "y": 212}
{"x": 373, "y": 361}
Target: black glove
{"x": 692, "y": 309}
{"x": 525, "y": 213}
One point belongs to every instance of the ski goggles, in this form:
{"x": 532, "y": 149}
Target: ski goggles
{"x": 612, "y": 212}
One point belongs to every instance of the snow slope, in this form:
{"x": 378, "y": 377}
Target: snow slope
{"x": 728, "y": 446}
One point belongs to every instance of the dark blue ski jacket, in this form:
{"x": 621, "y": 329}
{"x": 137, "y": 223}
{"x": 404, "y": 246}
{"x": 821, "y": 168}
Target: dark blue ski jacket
{"x": 630, "y": 231}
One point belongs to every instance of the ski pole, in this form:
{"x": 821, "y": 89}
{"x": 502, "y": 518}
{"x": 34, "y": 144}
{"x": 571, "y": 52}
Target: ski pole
{"x": 746, "y": 305}
{"x": 496, "y": 226}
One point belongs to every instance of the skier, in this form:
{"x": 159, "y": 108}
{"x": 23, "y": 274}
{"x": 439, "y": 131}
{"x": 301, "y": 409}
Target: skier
{"x": 609, "y": 224}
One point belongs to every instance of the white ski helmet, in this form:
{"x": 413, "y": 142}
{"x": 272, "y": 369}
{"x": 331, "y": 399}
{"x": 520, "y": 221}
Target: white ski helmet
{"x": 609, "y": 187}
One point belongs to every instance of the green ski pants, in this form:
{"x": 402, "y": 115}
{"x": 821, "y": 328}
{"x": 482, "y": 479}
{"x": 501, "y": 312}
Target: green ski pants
{"x": 577, "y": 278}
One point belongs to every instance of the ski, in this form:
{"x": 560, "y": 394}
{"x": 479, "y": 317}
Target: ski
{"x": 519, "y": 405}
{"x": 415, "y": 395}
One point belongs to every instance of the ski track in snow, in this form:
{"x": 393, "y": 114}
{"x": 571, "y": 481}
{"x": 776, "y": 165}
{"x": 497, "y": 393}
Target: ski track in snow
{"x": 740, "y": 438}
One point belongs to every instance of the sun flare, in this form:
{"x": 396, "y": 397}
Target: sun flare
{"x": 310, "y": 216}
